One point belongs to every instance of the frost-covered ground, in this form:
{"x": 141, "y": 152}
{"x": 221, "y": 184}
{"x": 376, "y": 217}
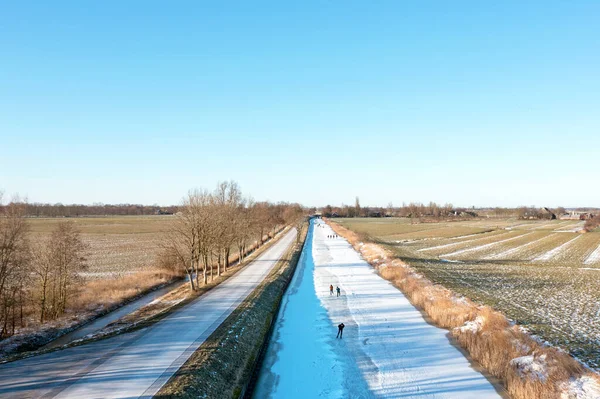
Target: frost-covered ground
{"x": 539, "y": 274}
{"x": 388, "y": 349}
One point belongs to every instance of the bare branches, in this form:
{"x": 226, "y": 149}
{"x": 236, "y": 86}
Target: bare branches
{"x": 58, "y": 262}
{"x": 14, "y": 258}
{"x": 210, "y": 227}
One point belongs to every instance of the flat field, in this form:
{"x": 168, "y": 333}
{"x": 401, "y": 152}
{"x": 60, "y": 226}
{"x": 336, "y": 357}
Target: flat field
{"x": 544, "y": 275}
{"x": 119, "y": 245}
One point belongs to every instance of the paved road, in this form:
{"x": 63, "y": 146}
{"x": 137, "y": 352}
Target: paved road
{"x": 139, "y": 363}
{"x": 105, "y": 320}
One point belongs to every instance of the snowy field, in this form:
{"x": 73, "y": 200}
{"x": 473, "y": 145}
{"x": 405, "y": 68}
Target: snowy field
{"x": 543, "y": 274}
{"x": 388, "y": 350}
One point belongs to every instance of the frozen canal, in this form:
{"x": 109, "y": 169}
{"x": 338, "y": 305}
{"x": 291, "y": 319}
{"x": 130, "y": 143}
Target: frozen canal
{"x": 388, "y": 350}
{"x": 304, "y": 359}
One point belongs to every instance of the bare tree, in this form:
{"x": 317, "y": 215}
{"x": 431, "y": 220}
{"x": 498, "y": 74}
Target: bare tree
{"x": 62, "y": 259}
{"x": 14, "y": 257}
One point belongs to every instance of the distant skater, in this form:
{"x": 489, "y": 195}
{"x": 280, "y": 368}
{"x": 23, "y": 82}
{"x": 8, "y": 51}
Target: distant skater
{"x": 331, "y": 290}
{"x": 338, "y": 290}
{"x": 340, "y": 330}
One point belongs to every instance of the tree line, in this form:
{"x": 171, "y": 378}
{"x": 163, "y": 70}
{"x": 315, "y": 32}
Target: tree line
{"x": 75, "y": 210}
{"x": 435, "y": 211}
{"x": 412, "y": 210}
{"x": 40, "y": 276}
{"x": 211, "y": 226}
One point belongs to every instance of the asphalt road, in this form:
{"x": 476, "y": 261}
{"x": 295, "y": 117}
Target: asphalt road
{"x": 136, "y": 364}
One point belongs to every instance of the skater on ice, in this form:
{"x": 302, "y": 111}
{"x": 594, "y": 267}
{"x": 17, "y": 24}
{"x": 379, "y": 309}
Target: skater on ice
{"x": 340, "y": 330}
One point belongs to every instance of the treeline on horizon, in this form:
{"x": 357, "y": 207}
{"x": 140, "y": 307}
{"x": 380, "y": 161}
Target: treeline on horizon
{"x": 38, "y": 209}
{"x": 437, "y": 211}
{"x": 413, "y": 209}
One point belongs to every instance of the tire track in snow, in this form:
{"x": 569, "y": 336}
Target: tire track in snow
{"x": 490, "y": 245}
{"x": 594, "y": 257}
{"x": 517, "y": 249}
{"x": 453, "y": 244}
{"x": 556, "y": 251}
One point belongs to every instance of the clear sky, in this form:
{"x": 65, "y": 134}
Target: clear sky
{"x": 467, "y": 102}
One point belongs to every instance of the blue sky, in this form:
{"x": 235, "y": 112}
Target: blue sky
{"x": 472, "y": 103}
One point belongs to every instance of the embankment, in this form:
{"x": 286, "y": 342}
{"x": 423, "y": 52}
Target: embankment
{"x": 225, "y": 365}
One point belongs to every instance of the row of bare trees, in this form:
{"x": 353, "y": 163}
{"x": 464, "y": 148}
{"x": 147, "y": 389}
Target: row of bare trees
{"x": 211, "y": 226}
{"x": 38, "y": 278}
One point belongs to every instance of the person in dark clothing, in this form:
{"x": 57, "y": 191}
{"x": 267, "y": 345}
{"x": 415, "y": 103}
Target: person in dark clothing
{"x": 331, "y": 290}
{"x": 338, "y": 290}
{"x": 340, "y": 330}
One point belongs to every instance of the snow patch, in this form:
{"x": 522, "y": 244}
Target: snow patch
{"x": 556, "y": 251}
{"x": 531, "y": 366}
{"x": 485, "y": 246}
{"x": 473, "y": 326}
{"x": 584, "y": 387}
{"x": 517, "y": 249}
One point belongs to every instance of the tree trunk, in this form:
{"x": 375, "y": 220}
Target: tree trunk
{"x": 190, "y": 275}
{"x": 219, "y": 265}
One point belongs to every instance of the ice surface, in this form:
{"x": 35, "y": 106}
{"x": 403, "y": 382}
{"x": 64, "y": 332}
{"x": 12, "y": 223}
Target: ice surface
{"x": 388, "y": 349}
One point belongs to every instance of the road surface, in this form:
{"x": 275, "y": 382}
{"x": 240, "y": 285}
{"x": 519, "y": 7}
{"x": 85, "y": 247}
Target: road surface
{"x": 103, "y": 321}
{"x": 139, "y": 363}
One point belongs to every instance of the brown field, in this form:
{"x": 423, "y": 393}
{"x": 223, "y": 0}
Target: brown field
{"x": 119, "y": 245}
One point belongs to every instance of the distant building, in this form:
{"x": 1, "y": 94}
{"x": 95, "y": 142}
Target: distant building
{"x": 577, "y": 215}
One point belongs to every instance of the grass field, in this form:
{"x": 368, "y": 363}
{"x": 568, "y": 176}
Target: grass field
{"x": 119, "y": 245}
{"x": 542, "y": 274}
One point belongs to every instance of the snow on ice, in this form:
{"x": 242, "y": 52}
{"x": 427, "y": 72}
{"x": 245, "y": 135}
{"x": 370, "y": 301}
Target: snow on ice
{"x": 388, "y": 349}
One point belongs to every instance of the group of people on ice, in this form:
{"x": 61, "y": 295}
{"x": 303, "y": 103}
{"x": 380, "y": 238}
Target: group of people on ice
{"x": 341, "y": 326}
{"x": 331, "y": 290}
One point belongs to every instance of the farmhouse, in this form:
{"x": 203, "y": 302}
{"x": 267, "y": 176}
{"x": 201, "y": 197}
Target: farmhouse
{"x": 577, "y": 215}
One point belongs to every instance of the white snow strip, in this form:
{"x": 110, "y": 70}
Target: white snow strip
{"x": 577, "y": 227}
{"x": 399, "y": 353}
{"x": 467, "y": 236}
{"x": 543, "y": 226}
{"x": 454, "y": 244}
{"x": 517, "y": 249}
{"x": 556, "y": 251}
{"x": 520, "y": 225}
{"x": 493, "y": 244}
{"x": 594, "y": 257}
